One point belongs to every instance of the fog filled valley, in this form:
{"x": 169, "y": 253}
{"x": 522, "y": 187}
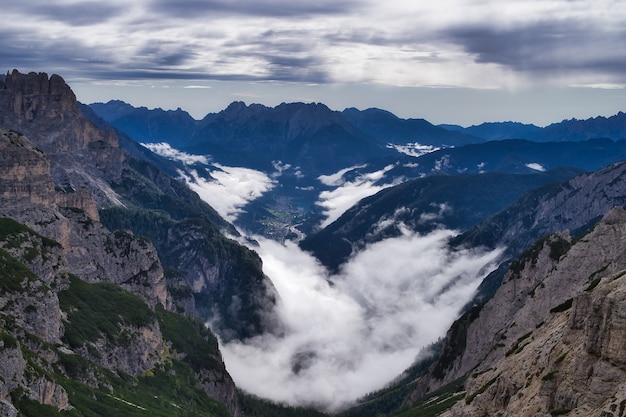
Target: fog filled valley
{"x": 345, "y": 334}
{"x": 298, "y": 260}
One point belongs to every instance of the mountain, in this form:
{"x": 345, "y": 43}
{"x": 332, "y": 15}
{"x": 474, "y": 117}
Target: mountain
{"x": 311, "y": 137}
{"x": 542, "y": 342}
{"x": 565, "y": 241}
{"x": 134, "y": 194}
{"x": 423, "y": 205}
{"x": 148, "y": 126}
{"x": 389, "y": 128}
{"x": 572, "y": 130}
{"x": 296, "y": 143}
{"x": 548, "y": 342}
{"x": 571, "y": 205}
{"x": 110, "y": 268}
{"x": 96, "y": 314}
{"x": 521, "y": 156}
{"x": 498, "y": 130}
{"x": 85, "y": 312}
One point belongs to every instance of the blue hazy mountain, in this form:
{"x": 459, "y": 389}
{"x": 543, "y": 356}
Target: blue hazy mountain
{"x": 613, "y": 127}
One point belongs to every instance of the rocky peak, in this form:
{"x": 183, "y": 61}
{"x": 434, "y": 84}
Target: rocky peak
{"x": 34, "y": 95}
{"x": 45, "y": 109}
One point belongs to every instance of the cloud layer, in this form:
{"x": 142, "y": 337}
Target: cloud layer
{"x": 348, "y": 192}
{"x": 348, "y": 334}
{"x": 484, "y": 43}
{"x": 227, "y": 189}
{"x": 356, "y": 335}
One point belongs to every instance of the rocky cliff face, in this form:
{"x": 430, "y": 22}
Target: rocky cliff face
{"x": 551, "y": 340}
{"x": 83, "y": 309}
{"x": 45, "y": 109}
{"x": 90, "y": 174}
{"x": 573, "y": 205}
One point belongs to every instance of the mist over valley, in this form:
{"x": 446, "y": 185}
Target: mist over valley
{"x": 301, "y": 261}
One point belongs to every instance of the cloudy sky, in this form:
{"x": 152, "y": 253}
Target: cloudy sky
{"x": 456, "y": 61}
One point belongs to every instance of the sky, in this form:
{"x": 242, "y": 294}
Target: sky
{"x": 450, "y": 61}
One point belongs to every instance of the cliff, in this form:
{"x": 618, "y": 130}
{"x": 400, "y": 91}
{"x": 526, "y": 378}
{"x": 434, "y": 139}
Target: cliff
{"x": 86, "y": 311}
{"x": 550, "y": 339}
{"x": 93, "y": 176}
{"x": 45, "y": 109}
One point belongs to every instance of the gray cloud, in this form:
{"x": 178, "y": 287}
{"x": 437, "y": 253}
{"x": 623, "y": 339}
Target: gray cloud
{"x": 265, "y": 8}
{"x": 547, "y": 46}
{"x": 73, "y": 14}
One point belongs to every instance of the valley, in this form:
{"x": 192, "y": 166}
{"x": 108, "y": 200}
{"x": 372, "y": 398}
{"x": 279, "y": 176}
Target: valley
{"x": 297, "y": 260}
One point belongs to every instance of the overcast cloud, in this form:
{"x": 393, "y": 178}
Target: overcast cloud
{"x": 486, "y": 44}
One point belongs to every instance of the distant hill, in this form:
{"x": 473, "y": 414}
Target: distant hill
{"x": 389, "y": 128}
{"x": 498, "y": 130}
{"x": 572, "y": 130}
{"x": 450, "y": 201}
{"x": 148, "y": 126}
{"x": 310, "y": 136}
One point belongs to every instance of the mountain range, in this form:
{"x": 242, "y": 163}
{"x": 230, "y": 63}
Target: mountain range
{"x": 112, "y": 267}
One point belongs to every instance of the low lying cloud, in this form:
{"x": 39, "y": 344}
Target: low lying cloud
{"x": 353, "y": 336}
{"x": 226, "y": 189}
{"x": 229, "y": 189}
{"x": 348, "y": 192}
{"x": 413, "y": 149}
{"x": 165, "y": 150}
{"x": 536, "y": 166}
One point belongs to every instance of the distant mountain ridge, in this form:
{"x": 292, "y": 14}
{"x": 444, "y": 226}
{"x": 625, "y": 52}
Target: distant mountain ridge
{"x": 572, "y": 130}
{"x": 158, "y": 125}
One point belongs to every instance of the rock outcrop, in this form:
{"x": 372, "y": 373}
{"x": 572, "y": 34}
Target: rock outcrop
{"x": 45, "y": 109}
{"x": 82, "y": 308}
{"x": 551, "y": 340}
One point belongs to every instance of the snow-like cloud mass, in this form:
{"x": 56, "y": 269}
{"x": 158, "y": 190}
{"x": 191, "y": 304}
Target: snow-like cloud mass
{"x": 348, "y": 338}
{"x": 348, "y": 192}
{"x": 413, "y": 149}
{"x": 165, "y": 150}
{"x": 536, "y": 166}
{"x": 226, "y": 189}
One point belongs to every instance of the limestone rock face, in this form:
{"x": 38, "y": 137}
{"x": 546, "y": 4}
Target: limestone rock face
{"x": 45, "y": 109}
{"x": 55, "y": 172}
{"x": 552, "y": 338}
{"x": 71, "y": 218}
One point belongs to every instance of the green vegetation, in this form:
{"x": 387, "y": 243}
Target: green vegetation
{"x": 13, "y": 274}
{"x": 16, "y": 235}
{"x": 32, "y": 408}
{"x": 438, "y": 401}
{"x": 170, "y": 390}
{"x": 192, "y": 337}
{"x": 593, "y": 284}
{"x": 470, "y": 398}
{"x": 256, "y": 407}
{"x": 558, "y": 247}
{"x": 549, "y": 376}
{"x": 97, "y": 310}
{"x": 517, "y": 346}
